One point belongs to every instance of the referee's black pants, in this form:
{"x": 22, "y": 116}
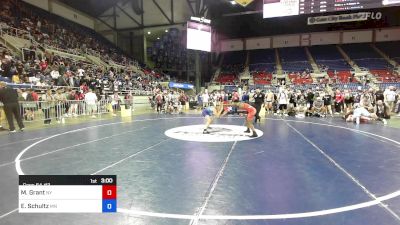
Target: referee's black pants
{"x": 10, "y": 110}
{"x": 258, "y": 108}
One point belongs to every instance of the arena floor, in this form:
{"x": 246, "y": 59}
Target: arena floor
{"x": 299, "y": 172}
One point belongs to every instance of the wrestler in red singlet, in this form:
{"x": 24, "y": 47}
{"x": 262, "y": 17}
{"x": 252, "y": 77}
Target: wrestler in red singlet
{"x": 251, "y": 111}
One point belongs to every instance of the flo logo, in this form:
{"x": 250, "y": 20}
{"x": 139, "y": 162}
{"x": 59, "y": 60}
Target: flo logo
{"x": 218, "y": 133}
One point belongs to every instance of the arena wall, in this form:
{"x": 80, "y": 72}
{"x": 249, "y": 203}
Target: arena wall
{"x": 309, "y": 39}
{"x": 350, "y": 37}
{"x": 232, "y": 45}
{"x": 258, "y": 43}
{"x": 64, "y": 11}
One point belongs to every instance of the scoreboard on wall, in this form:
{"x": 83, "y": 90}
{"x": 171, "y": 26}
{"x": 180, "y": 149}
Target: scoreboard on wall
{"x": 279, "y": 8}
{"x": 67, "y": 193}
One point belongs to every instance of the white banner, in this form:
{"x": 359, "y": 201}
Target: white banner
{"x": 361, "y": 16}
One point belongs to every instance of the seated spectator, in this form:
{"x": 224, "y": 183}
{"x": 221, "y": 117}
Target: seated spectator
{"x": 317, "y": 108}
{"x": 301, "y": 108}
{"x": 382, "y": 111}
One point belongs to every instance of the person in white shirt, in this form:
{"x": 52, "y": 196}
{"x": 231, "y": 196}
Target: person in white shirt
{"x": 205, "y": 97}
{"x": 80, "y": 72}
{"x": 91, "y": 103}
{"x": 114, "y": 102}
{"x": 282, "y": 101}
{"x": 54, "y": 74}
{"x": 390, "y": 97}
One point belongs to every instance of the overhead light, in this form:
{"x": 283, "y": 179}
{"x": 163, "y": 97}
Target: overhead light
{"x": 148, "y": 32}
{"x": 166, "y": 31}
{"x": 233, "y": 2}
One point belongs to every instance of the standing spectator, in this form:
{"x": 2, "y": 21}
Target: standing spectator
{"x": 339, "y": 98}
{"x": 47, "y": 101}
{"x": 9, "y": 98}
{"x": 91, "y": 103}
{"x": 205, "y": 97}
{"x": 327, "y": 103}
{"x": 245, "y": 97}
{"x": 348, "y": 101}
{"x": 115, "y": 103}
{"x": 310, "y": 98}
{"x": 60, "y": 101}
{"x": 258, "y": 102}
{"x": 80, "y": 97}
{"x": 379, "y": 95}
{"x": 183, "y": 99}
{"x": 159, "y": 101}
{"x": 283, "y": 101}
{"x": 390, "y": 97}
{"x": 129, "y": 100}
{"x": 73, "y": 108}
{"x": 235, "y": 96}
{"x": 269, "y": 102}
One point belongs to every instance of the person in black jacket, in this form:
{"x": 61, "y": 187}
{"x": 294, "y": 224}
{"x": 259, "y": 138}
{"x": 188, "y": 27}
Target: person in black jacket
{"x": 9, "y": 98}
{"x": 258, "y": 101}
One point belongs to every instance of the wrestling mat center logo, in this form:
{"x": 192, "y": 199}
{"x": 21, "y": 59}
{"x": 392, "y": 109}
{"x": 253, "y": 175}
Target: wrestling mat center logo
{"x": 218, "y": 133}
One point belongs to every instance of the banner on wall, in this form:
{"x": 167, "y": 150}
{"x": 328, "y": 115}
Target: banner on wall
{"x": 343, "y": 18}
{"x": 179, "y": 85}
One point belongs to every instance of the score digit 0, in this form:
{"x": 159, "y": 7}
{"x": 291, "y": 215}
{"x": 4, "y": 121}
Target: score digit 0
{"x": 109, "y": 191}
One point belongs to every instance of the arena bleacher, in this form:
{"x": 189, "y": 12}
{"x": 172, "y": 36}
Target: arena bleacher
{"x": 96, "y": 55}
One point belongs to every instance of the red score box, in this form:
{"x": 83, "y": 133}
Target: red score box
{"x": 109, "y": 192}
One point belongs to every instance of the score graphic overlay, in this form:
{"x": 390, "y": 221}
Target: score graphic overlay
{"x": 67, "y": 193}
{"x": 280, "y": 8}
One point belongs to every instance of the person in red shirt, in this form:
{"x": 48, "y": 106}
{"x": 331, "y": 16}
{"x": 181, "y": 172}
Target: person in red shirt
{"x": 79, "y": 96}
{"x": 339, "y": 98}
{"x": 35, "y": 96}
{"x": 84, "y": 87}
{"x": 43, "y": 65}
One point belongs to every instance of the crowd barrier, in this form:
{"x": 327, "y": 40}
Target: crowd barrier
{"x": 48, "y": 111}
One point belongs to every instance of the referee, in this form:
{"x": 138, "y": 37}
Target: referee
{"x": 9, "y": 98}
{"x": 258, "y": 101}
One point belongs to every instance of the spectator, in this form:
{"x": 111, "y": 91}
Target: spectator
{"x": 317, "y": 109}
{"x": 129, "y": 100}
{"x": 63, "y": 80}
{"x": 91, "y": 103}
{"x": 47, "y": 102}
{"x": 159, "y": 101}
{"x": 382, "y": 111}
{"x": 115, "y": 100}
{"x": 60, "y": 103}
{"x": 390, "y": 97}
{"x": 310, "y": 98}
{"x": 205, "y": 98}
{"x": 73, "y": 104}
{"x": 339, "y": 98}
{"x": 282, "y": 101}
{"x": 9, "y": 98}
